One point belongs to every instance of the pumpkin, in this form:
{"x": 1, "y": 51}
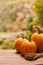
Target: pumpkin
{"x": 37, "y": 37}
{"x": 28, "y": 47}
{"x": 18, "y": 42}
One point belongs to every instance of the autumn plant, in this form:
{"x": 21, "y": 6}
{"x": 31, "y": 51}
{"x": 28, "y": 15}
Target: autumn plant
{"x": 39, "y": 11}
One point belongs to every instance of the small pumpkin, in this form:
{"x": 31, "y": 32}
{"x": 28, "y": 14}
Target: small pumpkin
{"x": 37, "y": 37}
{"x": 19, "y": 42}
{"x": 28, "y": 47}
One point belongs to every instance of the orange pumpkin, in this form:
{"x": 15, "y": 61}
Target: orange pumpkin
{"x": 38, "y": 39}
{"x": 19, "y": 42}
{"x": 28, "y": 47}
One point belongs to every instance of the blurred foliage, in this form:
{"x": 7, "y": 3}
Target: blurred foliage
{"x": 20, "y": 12}
{"x": 7, "y": 15}
{"x": 39, "y": 11}
{"x": 2, "y": 28}
{"x": 12, "y": 17}
{"x": 30, "y": 19}
{"x": 16, "y": 2}
{"x": 31, "y": 24}
{"x": 8, "y": 45}
{"x": 1, "y": 42}
{"x": 28, "y": 34}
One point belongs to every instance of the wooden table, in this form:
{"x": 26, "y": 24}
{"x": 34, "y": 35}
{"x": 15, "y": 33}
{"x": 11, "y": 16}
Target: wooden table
{"x": 10, "y": 57}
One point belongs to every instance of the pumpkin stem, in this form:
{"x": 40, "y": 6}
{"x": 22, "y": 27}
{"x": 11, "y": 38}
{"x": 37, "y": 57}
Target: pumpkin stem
{"x": 22, "y": 35}
{"x": 37, "y": 29}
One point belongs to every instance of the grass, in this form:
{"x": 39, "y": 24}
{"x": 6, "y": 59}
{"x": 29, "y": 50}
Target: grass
{"x": 8, "y": 45}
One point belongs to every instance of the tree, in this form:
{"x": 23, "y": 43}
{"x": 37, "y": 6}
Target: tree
{"x": 39, "y": 11}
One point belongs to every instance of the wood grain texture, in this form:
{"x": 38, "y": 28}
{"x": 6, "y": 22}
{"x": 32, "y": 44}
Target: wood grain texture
{"x": 10, "y": 57}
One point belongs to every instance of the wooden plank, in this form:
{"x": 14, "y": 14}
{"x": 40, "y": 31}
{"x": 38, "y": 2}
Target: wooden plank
{"x": 10, "y": 57}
